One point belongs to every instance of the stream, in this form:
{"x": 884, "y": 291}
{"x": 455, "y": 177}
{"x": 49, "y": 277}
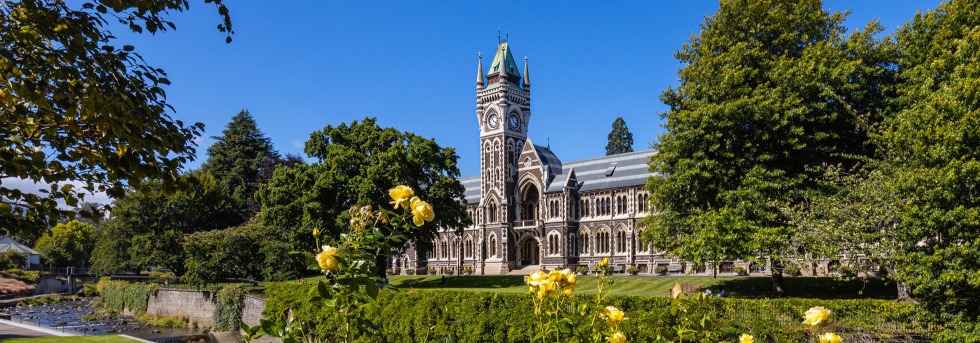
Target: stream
{"x": 65, "y": 316}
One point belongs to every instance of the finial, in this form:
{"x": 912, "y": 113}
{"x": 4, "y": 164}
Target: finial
{"x": 479, "y": 71}
{"x": 498, "y": 36}
{"x": 527, "y": 78}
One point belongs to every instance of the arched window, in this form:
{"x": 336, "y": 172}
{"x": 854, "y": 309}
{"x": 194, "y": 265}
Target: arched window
{"x": 492, "y": 246}
{"x": 641, "y": 202}
{"x": 468, "y": 247}
{"x": 621, "y": 241}
{"x": 553, "y": 244}
{"x": 585, "y": 243}
{"x": 492, "y": 212}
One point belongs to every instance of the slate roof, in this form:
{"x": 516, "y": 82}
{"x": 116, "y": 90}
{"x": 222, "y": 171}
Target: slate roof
{"x": 621, "y": 170}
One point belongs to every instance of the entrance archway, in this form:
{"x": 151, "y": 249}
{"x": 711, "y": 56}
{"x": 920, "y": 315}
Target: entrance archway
{"x": 529, "y": 253}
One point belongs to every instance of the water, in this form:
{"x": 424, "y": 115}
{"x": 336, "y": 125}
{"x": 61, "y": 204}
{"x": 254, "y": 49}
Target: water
{"x": 65, "y": 316}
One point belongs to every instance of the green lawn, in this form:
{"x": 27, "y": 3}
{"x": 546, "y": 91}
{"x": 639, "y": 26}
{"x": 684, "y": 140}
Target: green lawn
{"x": 82, "y": 339}
{"x": 742, "y": 287}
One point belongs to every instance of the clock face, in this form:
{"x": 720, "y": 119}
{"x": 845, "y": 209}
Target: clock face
{"x": 493, "y": 121}
{"x": 515, "y": 122}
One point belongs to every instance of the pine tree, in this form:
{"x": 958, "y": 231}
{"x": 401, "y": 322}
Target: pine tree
{"x": 620, "y": 138}
{"x": 237, "y": 157}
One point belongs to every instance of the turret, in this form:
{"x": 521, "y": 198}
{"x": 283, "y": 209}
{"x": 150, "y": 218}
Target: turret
{"x": 479, "y": 72}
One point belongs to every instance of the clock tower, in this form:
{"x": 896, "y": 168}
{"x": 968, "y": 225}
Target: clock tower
{"x": 503, "y": 111}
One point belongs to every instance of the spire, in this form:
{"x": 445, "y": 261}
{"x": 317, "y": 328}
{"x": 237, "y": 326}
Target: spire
{"x": 503, "y": 50}
{"x": 504, "y": 67}
{"x": 479, "y": 72}
{"x": 527, "y": 80}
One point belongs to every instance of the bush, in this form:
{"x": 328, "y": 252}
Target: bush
{"x": 660, "y": 270}
{"x": 582, "y": 270}
{"x": 417, "y": 315}
{"x": 846, "y": 271}
{"x": 410, "y": 271}
{"x": 228, "y": 307}
{"x": 791, "y": 270}
{"x": 30, "y": 277}
{"x": 12, "y": 260}
{"x": 278, "y": 264}
{"x": 740, "y": 270}
{"x": 163, "y": 321}
{"x": 213, "y": 256}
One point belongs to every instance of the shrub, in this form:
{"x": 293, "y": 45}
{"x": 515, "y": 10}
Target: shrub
{"x": 581, "y": 270}
{"x": 42, "y": 300}
{"x": 432, "y": 271}
{"x": 163, "y": 321}
{"x": 228, "y": 307}
{"x": 410, "y": 271}
{"x": 791, "y": 270}
{"x": 632, "y": 270}
{"x": 90, "y": 290}
{"x": 28, "y": 276}
{"x": 12, "y": 260}
{"x": 213, "y": 256}
{"x": 846, "y": 271}
{"x": 740, "y": 270}
{"x": 660, "y": 270}
{"x": 416, "y": 315}
{"x": 278, "y": 264}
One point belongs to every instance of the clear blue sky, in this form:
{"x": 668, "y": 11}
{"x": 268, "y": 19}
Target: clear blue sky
{"x": 301, "y": 65}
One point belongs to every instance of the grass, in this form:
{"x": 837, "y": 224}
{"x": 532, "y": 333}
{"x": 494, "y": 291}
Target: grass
{"x": 81, "y": 339}
{"x": 741, "y": 287}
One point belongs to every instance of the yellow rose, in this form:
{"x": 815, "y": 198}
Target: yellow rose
{"x": 572, "y": 279}
{"x": 536, "y": 278}
{"x": 555, "y": 276}
{"x": 421, "y": 212}
{"x": 830, "y": 337}
{"x": 316, "y": 232}
{"x": 604, "y": 262}
{"x": 613, "y": 315}
{"x": 816, "y": 316}
{"x": 546, "y": 287}
{"x": 617, "y": 337}
{"x": 327, "y": 259}
{"x": 568, "y": 290}
{"x": 401, "y": 195}
{"x": 745, "y": 338}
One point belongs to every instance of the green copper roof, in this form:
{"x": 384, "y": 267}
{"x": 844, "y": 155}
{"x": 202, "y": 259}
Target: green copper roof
{"x": 504, "y": 56}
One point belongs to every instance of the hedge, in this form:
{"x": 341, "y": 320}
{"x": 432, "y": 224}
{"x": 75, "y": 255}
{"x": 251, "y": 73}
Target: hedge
{"x": 458, "y": 316}
{"x": 228, "y": 307}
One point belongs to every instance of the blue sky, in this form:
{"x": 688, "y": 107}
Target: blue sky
{"x": 301, "y": 65}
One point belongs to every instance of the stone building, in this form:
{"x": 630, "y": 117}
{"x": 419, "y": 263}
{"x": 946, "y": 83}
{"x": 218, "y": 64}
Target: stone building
{"x": 531, "y": 210}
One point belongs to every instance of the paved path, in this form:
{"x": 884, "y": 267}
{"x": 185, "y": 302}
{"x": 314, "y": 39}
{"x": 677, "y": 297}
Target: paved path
{"x": 10, "y": 329}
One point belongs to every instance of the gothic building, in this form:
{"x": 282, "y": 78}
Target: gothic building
{"x": 531, "y": 210}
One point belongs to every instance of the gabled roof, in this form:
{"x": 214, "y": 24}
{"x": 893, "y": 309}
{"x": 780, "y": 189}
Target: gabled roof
{"x": 8, "y": 244}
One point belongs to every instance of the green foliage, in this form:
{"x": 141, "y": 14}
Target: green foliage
{"x": 213, "y": 256}
{"x": 147, "y": 228}
{"x": 357, "y": 164}
{"x": 30, "y": 277}
{"x": 278, "y": 263}
{"x": 620, "y": 138}
{"x": 162, "y": 321}
{"x": 67, "y": 244}
{"x": 237, "y": 157}
{"x": 121, "y": 295}
{"x": 42, "y": 300}
{"x": 437, "y": 316}
{"x": 12, "y": 260}
{"x": 228, "y": 307}
{"x": 80, "y": 113}
{"x": 768, "y": 93}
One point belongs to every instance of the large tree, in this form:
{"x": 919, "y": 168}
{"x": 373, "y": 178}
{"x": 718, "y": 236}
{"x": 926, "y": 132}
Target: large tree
{"x": 67, "y": 244}
{"x": 238, "y": 156}
{"x": 147, "y": 229}
{"x": 932, "y": 142}
{"x": 356, "y": 165}
{"x": 81, "y": 112}
{"x": 620, "y": 138}
{"x": 770, "y": 90}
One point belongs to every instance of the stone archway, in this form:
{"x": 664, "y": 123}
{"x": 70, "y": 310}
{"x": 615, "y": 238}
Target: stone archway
{"x": 529, "y": 252}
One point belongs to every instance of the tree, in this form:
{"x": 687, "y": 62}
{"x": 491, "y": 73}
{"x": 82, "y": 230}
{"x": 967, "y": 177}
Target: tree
{"x": 620, "y": 138}
{"x": 356, "y": 165}
{"x": 67, "y": 245}
{"x": 147, "y": 229}
{"x": 237, "y": 156}
{"x": 79, "y": 113}
{"x": 213, "y": 256}
{"x": 932, "y": 142}
{"x": 769, "y": 93}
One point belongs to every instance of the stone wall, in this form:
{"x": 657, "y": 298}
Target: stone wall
{"x": 194, "y": 305}
{"x": 199, "y": 306}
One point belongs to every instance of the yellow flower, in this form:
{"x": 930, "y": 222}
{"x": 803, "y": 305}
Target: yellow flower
{"x": 613, "y": 315}
{"x": 536, "y": 278}
{"x": 603, "y": 263}
{"x": 546, "y": 287}
{"x": 572, "y": 279}
{"x": 816, "y": 316}
{"x": 830, "y": 337}
{"x": 327, "y": 259}
{"x": 530, "y": 289}
{"x": 401, "y": 196}
{"x": 316, "y": 232}
{"x": 556, "y": 276}
{"x": 568, "y": 290}
{"x": 617, "y": 337}
{"x": 745, "y": 338}
{"x": 421, "y": 212}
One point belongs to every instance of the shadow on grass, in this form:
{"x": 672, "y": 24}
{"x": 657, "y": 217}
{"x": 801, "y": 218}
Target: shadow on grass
{"x": 463, "y": 282}
{"x": 810, "y": 287}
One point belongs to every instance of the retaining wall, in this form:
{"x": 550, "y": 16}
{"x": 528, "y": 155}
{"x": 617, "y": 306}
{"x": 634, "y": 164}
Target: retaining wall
{"x": 199, "y": 306}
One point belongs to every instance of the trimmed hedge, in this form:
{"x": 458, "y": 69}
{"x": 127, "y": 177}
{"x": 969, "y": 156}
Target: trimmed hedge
{"x": 457, "y": 316}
